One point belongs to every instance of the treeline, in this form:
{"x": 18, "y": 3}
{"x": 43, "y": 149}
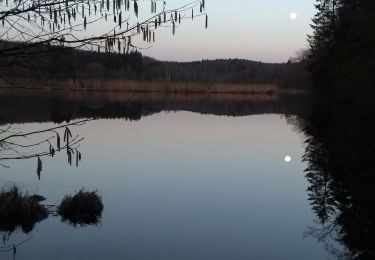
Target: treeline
{"x": 57, "y": 62}
{"x": 342, "y": 49}
{"x": 292, "y": 75}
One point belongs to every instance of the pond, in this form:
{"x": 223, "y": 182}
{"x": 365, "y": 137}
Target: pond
{"x": 175, "y": 184}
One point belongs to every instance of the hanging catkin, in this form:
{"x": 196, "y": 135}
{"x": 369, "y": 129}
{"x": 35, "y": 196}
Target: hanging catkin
{"x": 136, "y": 8}
{"x": 55, "y": 16}
{"x": 39, "y": 168}
{"x": 69, "y": 157}
{"x": 58, "y": 141}
{"x": 129, "y": 44}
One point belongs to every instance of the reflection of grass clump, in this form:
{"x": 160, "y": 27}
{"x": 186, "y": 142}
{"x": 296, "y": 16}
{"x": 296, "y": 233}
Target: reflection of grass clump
{"x": 18, "y": 209}
{"x": 84, "y": 208}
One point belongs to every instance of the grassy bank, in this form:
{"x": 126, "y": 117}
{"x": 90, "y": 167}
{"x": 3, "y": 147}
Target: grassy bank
{"x": 141, "y": 86}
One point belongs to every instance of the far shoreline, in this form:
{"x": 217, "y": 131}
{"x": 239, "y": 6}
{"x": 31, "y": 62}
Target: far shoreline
{"x": 134, "y": 86}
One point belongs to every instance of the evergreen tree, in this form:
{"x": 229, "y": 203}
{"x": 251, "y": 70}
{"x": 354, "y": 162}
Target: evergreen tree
{"x": 322, "y": 39}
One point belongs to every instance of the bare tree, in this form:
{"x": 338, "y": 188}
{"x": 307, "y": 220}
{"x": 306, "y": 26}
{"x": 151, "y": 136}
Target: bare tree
{"x": 18, "y": 145}
{"x": 100, "y": 25}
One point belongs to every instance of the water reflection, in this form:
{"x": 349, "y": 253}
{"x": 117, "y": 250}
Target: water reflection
{"x": 13, "y": 247}
{"x": 178, "y": 201}
{"x": 339, "y": 156}
{"x": 339, "y": 153}
{"x": 20, "y": 211}
{"x": 66, "y": 106}
{"x": 16, "y": 144}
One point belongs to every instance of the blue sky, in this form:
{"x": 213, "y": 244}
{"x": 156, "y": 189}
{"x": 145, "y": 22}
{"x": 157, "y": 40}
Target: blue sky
{"x": 255, "y": 29}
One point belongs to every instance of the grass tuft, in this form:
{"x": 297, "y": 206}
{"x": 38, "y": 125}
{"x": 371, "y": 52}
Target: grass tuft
{"x": 82, "y": 209}
{"x": 19, "y": 210}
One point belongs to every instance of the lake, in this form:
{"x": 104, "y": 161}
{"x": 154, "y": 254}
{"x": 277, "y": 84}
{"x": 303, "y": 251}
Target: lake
{"x": 197, "y": 178}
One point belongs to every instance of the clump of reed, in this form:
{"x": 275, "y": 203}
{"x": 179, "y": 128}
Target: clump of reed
{"x": 82, "y": 209}
{"x": 20, "y": 210}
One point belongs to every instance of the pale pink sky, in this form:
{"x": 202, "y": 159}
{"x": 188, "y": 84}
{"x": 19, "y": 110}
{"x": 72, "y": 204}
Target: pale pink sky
{"x": 256, "y": 30}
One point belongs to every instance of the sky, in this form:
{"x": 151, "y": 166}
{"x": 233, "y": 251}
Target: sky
{"x": 260, "y": 30}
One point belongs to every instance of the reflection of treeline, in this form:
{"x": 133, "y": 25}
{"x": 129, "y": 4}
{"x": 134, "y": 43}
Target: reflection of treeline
{"x": 340, "y": 157}
{"x": 38, "y": 108}
{"x": 65, "y": 63}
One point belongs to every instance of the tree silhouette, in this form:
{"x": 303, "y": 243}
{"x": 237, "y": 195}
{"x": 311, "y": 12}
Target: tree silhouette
{"x": 18, "y": 145}
{"x": 100, "y": 25}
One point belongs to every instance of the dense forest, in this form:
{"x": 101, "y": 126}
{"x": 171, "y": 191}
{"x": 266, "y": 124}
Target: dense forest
{"x": 340, "y": 129}
{"x": 342, "y": 49}
{"x": 53, "y": 62}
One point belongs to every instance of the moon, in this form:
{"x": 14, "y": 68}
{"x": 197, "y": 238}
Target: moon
{"x": 288, "y": 158}
{"x": 293, "y": 16}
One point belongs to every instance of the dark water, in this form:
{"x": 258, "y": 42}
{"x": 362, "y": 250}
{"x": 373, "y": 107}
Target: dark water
{"x": 214, "y": 178}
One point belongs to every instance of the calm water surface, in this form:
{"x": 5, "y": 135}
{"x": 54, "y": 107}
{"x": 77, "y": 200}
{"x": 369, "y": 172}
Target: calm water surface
{"x": 176, "y": 185}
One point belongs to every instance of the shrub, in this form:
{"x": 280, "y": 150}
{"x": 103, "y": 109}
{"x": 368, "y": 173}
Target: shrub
{"x": 20, "y": 210}
{"x": 84, "y": 208}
